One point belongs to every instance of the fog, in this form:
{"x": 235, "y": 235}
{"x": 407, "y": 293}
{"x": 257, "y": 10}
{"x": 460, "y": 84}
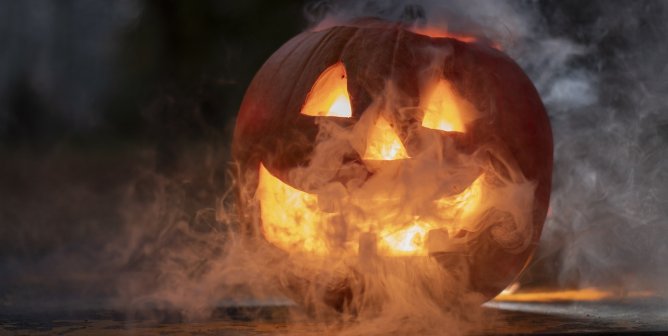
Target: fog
{"x": 116, "y": 121}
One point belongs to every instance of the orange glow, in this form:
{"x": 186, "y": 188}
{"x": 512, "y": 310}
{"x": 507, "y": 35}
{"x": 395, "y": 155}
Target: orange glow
{"x": 293, "y": 221}
{"x": 383, "y": 143}
{"x": 412, "y": 240}
{"x": 584, "y": 294}
{"x": 440, "y": 33}
{"x": 329, "y": 96}
{"x": 407, "y": 241}
{"x": 444, "y": 109}
{"x": 466, "y": 202}
{"x": 290, "y": 218}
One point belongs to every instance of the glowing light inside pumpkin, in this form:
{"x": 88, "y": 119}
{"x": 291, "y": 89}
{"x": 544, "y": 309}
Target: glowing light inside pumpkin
{"x": 329, "y": 96}
{"x": 293, "y": 221}
{"x": 408, "y": 241}
{"x": 289, "y": 216}
{"x": 444, "y": 109}
{"x": 465, "y": 202}
{"x": 440, "y": 33}
{"x": 383, "y": 143}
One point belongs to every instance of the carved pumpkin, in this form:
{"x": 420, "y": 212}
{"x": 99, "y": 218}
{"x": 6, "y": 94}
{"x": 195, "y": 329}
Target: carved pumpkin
{"x": 371, "y": 139}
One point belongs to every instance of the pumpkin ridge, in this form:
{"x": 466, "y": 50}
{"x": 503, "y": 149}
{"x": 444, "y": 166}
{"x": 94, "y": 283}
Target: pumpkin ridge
{"x": 309, "y": 58}
{"x": 288, "y": 55}
{"x": 395, "y": 48}
{"x": 347, "y": 44}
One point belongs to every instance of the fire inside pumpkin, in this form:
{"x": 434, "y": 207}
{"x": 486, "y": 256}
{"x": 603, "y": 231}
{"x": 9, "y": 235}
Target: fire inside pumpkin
{"x": 371, "y": 139}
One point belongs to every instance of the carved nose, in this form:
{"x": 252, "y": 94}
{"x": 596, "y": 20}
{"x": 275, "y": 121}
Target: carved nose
{"x": 383, "y": 143}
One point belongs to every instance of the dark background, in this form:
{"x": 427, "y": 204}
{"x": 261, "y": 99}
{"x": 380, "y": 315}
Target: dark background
{"x": 116, "y": 119}
{"x": 95, "y": 93}
{"x": 115, "y": 124}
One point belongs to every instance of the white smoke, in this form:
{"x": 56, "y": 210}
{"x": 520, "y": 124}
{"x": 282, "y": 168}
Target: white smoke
{"x": 607, "y": 209}
{"x": 599, "y": 70}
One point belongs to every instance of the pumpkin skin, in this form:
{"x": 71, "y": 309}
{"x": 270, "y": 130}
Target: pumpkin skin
{"x": 271, "y": 130}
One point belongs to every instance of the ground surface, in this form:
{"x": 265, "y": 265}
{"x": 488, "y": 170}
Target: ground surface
{"x": 638, "y": 316}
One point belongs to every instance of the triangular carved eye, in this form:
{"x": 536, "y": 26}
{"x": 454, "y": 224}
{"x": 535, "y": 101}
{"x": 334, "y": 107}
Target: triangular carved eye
{"x": 329, "y": 96}
{"x": 445, "y": 110}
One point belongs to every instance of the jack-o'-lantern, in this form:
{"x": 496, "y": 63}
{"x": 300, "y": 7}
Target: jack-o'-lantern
{"x": 372, "y": 139}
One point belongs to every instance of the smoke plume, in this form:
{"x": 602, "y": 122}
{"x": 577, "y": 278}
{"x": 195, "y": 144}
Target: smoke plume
{"x": 604, "y": 94}
{"x": 169, "y": 239}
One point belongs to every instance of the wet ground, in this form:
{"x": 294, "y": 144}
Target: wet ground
{"x": 633, "y": 317}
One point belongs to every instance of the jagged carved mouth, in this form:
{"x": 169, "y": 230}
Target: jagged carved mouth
{"x": 337, "y": 221}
